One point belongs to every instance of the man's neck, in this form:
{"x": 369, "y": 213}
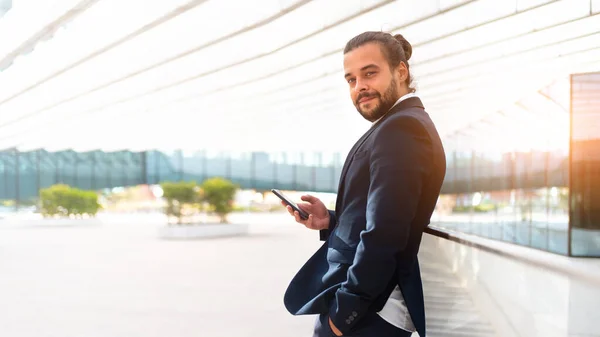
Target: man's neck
{"x": 402, "y": 98}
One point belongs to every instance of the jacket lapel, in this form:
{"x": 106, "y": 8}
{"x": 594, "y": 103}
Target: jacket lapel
{"x": 405, "y": 104}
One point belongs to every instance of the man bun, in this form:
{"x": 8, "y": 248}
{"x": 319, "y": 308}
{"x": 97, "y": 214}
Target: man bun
{"x": 405, "y": 46}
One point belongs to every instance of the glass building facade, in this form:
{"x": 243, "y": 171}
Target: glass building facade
{"x": 528, "y": 178}
{"x": 309, "y": 171}
{"x": 23, "y": 174}
{"x": 585, "y": 165}
{"x": 519, "y": 197}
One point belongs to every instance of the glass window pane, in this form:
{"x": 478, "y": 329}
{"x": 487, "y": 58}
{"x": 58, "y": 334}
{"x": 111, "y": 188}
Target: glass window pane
{"x": 585, "y": 165}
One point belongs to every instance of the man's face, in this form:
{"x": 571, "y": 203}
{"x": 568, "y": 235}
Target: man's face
{"x": 373, "y": 86}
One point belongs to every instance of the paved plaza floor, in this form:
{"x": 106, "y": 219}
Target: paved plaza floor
{"x": 113, "y": 277}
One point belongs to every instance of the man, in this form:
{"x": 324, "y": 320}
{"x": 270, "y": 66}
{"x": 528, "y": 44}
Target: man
{"x": 365, "y": 279}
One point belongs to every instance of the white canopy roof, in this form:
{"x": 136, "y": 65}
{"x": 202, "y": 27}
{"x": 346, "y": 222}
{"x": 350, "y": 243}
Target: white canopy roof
{"x": 267, "y": 74}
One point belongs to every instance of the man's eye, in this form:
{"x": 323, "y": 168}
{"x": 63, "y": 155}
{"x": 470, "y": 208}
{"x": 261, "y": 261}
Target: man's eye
{"x": 350, "y": 80}
{"x": 371, "y": 73}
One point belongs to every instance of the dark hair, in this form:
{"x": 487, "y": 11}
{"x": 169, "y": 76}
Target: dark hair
{"x": 395, "y": 48}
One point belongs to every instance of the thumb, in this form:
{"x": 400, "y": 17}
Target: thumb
{"x": 309, "y": 198}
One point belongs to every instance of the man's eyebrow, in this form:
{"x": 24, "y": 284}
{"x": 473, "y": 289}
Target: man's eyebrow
{"x": 369, "y": 66}
{"x": 363, "y": 69}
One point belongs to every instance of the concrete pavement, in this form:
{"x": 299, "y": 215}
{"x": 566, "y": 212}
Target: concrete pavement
{"x": 117, "y": 279}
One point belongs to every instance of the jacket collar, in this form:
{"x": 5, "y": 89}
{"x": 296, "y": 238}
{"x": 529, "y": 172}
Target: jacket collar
{"x": 402, "y": 104}
{"x": 412, "y": 102}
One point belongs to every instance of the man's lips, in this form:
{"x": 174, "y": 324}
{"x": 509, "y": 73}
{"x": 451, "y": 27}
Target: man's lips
{"x": 366, "y": 99}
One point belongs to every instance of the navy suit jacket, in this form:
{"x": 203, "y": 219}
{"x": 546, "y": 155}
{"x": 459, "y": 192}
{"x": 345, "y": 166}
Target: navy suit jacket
{"x": 389, "y": 186}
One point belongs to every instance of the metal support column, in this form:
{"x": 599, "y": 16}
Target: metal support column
{"x": 5, "y": 168}
{"x": 228, "y": 166}
{"x": 109, "y": 166}
{"x": 56, "y": 169}
{"x": 253, "y": 170}
{"x": 295, "y": 171}
{"x": 144, "y": 160}
{"x": 204, "y": 166}
{"x": 93, "y": 173}
{"x": 124, "y": 161}
{"x": 38, "y": 171}
{"x": 275, "y": 181}
{"x": 570, "y": 184}
{"x": 17, "y": 180}
{"x": 180, "y": 157}
{"x": 75, "y": 163}
{"x": 157, "y": 166}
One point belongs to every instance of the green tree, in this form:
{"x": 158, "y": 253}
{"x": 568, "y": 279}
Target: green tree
{"x": 179, "y": 194}
{"x": 219, "y": 194}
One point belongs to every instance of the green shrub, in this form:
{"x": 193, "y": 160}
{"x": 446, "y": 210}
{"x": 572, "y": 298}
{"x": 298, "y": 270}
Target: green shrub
{"x": 219, "y": 194}
{"x": 64, "y": 200}
{"x": 178, "y": 195}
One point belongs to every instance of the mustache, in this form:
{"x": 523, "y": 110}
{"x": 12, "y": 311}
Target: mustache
{"x": 366, "y": 95}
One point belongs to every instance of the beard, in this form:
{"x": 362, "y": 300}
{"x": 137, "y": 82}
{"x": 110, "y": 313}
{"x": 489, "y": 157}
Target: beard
{"x": 372, "y": 111}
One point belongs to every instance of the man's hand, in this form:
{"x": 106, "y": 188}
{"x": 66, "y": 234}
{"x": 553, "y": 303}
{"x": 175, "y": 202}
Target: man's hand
{"x": 335, "y": 330}
{"x": 318, "y": 214}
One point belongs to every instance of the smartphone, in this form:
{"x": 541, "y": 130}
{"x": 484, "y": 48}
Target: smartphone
{"x": 295, "y": 207}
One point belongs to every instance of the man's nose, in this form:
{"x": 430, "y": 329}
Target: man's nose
{"x": 360, "y": 86}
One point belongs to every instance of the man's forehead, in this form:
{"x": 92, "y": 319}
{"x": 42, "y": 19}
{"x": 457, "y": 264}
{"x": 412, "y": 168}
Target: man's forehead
{"x": 362, "y": 56}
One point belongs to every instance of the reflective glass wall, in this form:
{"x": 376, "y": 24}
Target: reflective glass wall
{"x": 585, "y": 165}
{"x": 519, "y": 197}
{"x": 530, "y": 174}
{"x": 508, "y": 174}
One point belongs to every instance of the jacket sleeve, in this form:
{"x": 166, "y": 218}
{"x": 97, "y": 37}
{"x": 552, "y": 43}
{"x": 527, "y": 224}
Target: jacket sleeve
{"x": 324, "y": 233}
{"x": 400, "y": 161}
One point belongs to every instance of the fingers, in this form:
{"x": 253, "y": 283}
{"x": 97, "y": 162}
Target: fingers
{"x": 298, "y": 218}
{"x": 304, "y": 207}
{"x": 309, "y": 198}
{"x": 309, "y": 222}
{"x": 296, "y": 215}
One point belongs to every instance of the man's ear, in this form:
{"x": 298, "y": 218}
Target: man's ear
{"x": 402, "y": 71}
